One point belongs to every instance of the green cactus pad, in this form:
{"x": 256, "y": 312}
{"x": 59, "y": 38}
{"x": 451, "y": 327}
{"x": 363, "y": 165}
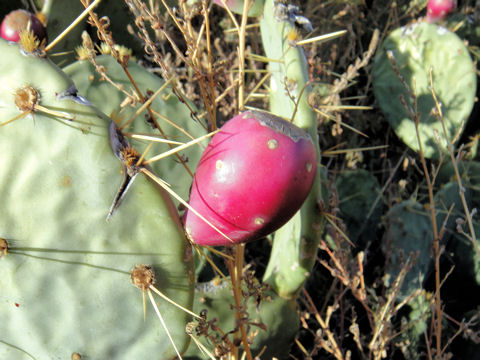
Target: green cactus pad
{"x": 60, "y": 14}
{"x": 295, "y": 244}
{"x": 470, "y": 176}
{"x": 410, "y": 232}
{"x": 463, "y": 254}
{"x": 416, "y": 49}
{"x": 360, "y": 205}
{"x": 460, "y": 248}
{"x": 416, "y": 325}
{"x": 66, "y": 280}
{"x": 109, "y": 99}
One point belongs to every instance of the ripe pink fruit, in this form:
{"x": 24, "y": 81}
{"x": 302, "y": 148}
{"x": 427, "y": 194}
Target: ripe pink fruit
{"x": 438, "y": 9}
{"x": 252, "y": 178}
{"x": 19, "y": 20}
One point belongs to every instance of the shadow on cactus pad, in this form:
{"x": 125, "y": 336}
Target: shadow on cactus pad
{"x": 416, "y": 49}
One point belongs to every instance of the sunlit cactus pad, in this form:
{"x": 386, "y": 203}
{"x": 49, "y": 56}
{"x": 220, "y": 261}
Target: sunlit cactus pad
{"x": 416, "y": 49}
{"x": 109, "y": 99}
{"x": 65, "y": 283}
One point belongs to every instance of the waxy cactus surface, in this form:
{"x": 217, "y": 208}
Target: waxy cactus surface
{"x": 252, "y": 178}
{"x": 65, "y": 284}
{"x": 410, "y": 234}
{"x": 416, "y": 50}
{"x": 360, "y": 206}
{"x": 295, "y": 244}
{"x": 109, "y": 99}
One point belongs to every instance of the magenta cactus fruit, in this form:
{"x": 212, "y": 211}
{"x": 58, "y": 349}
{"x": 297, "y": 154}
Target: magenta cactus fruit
{"x": 18, "y": 20}
{"x": 252, "y": 178}
{"x": 438, "y": 9}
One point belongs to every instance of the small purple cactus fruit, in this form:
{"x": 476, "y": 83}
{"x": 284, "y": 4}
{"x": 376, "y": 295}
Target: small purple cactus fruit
{"x": 18, "y": 20}
{"x": 437, "y": 10}
{"x": 252, "y": 178}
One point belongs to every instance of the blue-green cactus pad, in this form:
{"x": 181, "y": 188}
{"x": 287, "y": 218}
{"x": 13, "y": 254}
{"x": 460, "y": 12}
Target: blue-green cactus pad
{"x": 417, "y": 48}
{"x": 410, "y": 234}
{"x": 65, "y": 283}
{"x": 109, "y": 99}
{"x": 360, "y": 203}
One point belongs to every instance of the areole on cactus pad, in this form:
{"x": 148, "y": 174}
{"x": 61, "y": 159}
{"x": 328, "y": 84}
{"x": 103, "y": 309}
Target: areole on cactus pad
{"x": 252, "y": 178}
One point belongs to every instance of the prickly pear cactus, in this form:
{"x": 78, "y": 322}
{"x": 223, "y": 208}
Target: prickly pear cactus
{"x": 60, "y": 14}
{"x": 295, "y": 244}
{"x": 66, "y": 278}
{"x": 360, "y": 205}
{"x": 463, "y": 254}
{"x": 460, "y": 248}
{"x": 109, "y": 99}
{"x": 410, "y": 233}
{"x": 469, "y": 174}
{"x": 416, "y": 49}
{"x": 416, "y": 324}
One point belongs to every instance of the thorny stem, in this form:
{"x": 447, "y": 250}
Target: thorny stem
{"x": 211, "y": 82}
{"x": 344, "y": 277}
{"x": 207, "y": 90}
{"x": 141, "y": 14}
{"x": 461, "y": 190}
{"x": 154, "y": 119}
{"x": 414, "y": 115}
{"x": 236, "y": 269}
{"x": 146, "y": 104}
{"x": 194, "y": 60}
{"x": 436, "y": 238}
